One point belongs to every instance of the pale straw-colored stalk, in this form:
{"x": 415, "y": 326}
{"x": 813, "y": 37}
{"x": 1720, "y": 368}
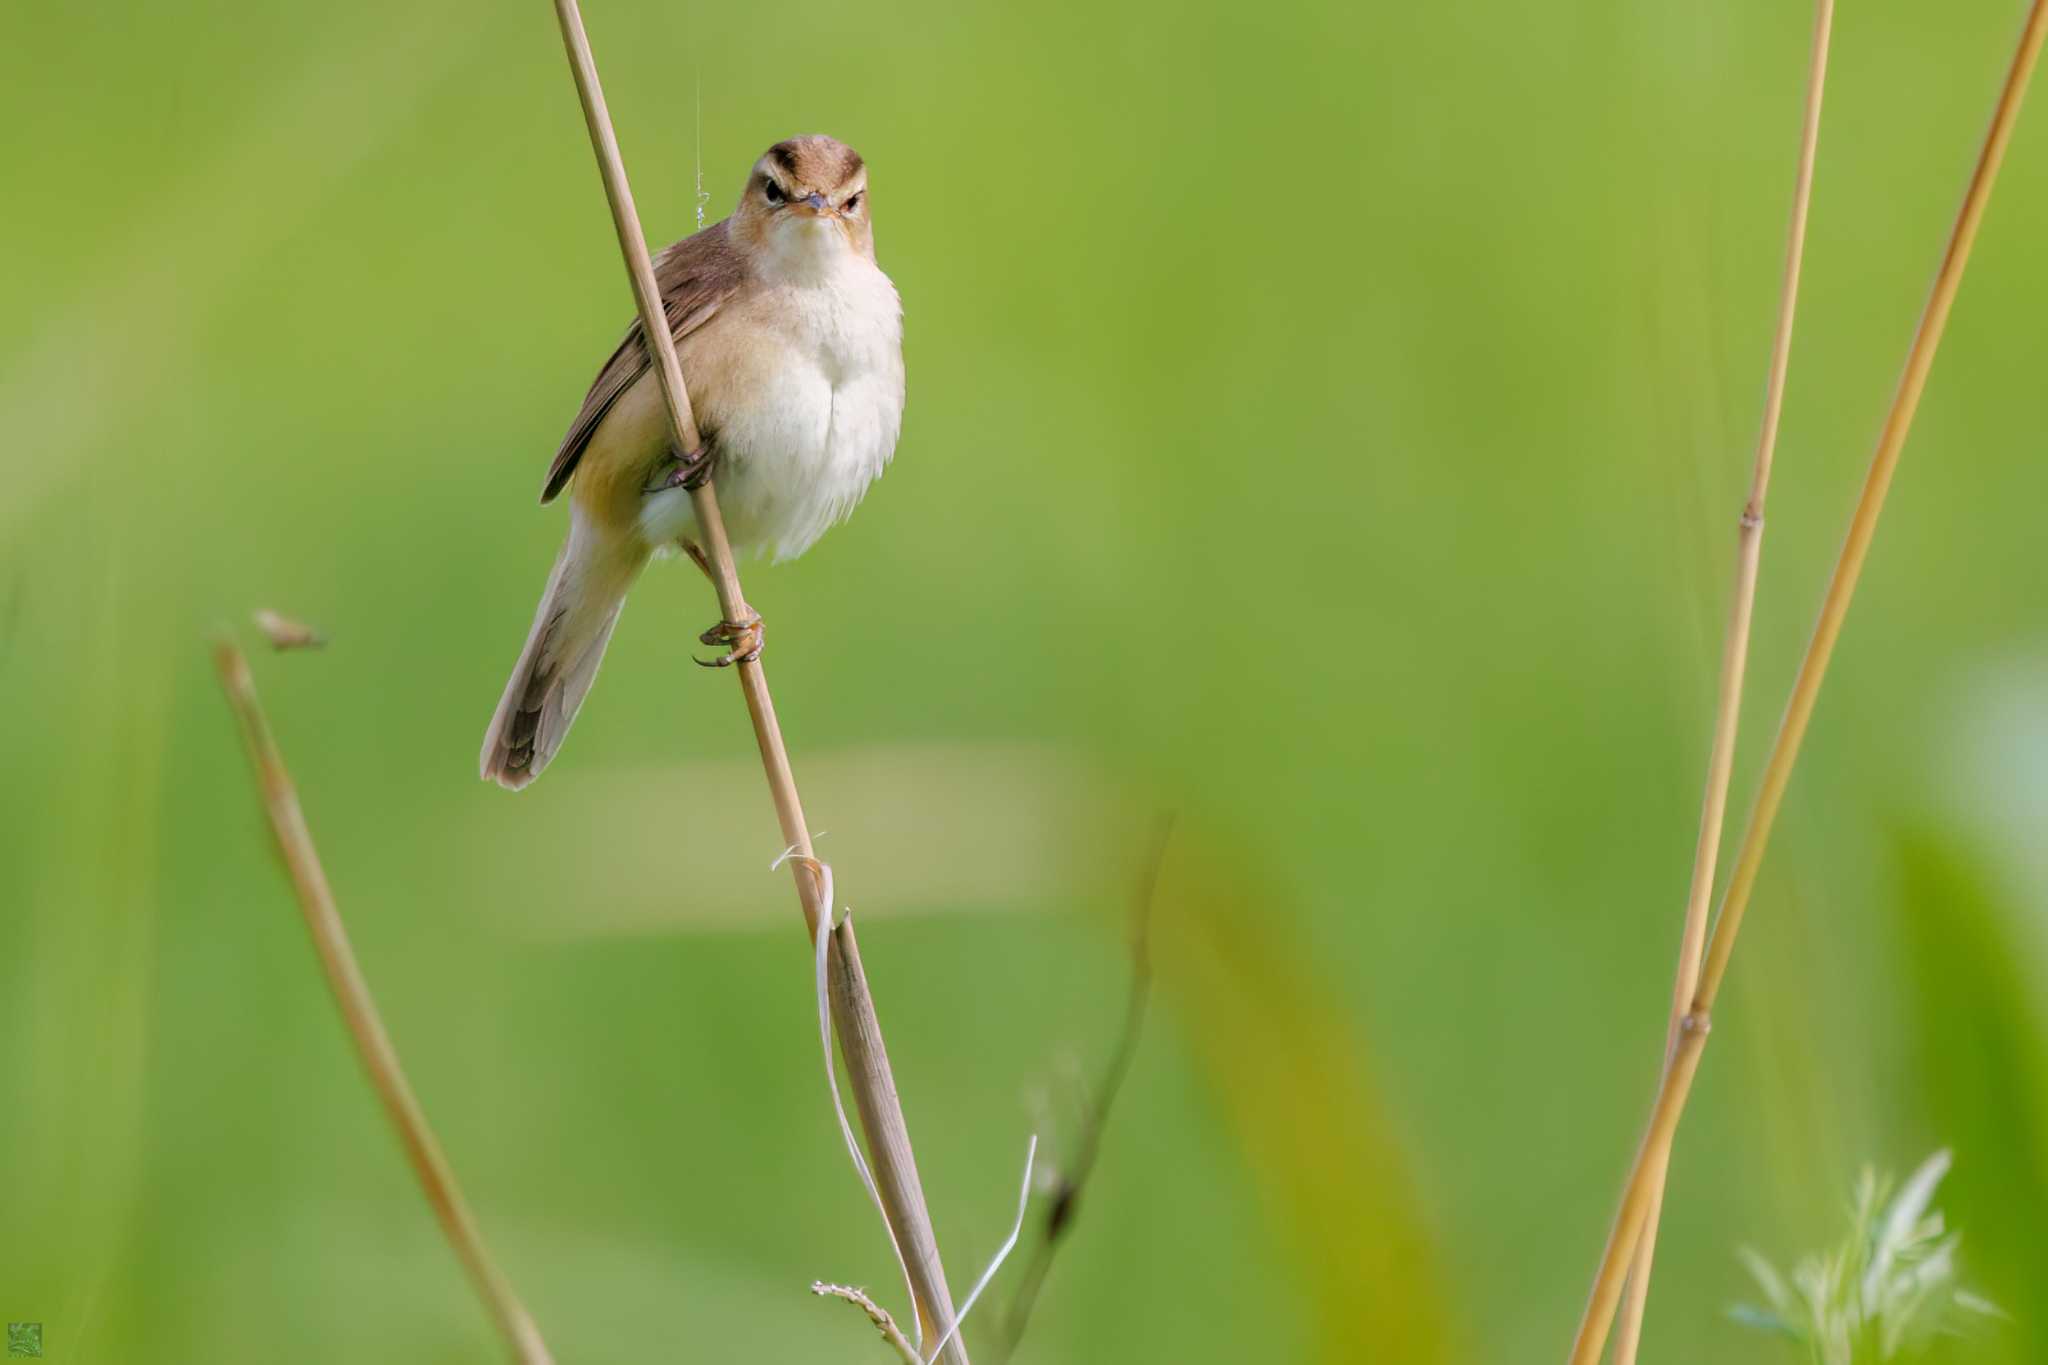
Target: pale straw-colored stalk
{"x": 359, "y": 1012}
{"x": 860, "y": 1032}
{"x": 1654, "y": 1152}
{"x": 1734, "y": 658}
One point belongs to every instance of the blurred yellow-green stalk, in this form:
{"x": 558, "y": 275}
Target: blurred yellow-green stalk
{"x": 1327, "y": 421}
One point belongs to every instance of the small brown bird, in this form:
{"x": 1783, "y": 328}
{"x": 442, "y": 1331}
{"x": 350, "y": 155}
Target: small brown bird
{"x": 791, "y": 342}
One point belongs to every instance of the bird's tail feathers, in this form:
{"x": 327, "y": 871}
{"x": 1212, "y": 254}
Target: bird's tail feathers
{"x": 585, "y": 591}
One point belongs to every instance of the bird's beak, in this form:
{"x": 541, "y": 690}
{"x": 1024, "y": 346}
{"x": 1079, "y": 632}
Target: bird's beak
{"x": 816, "y": 203}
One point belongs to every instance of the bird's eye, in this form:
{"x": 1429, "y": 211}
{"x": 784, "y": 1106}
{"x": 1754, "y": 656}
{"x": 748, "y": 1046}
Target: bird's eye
{"x": 852, "y": 204}
{"x": 773, "y": 192}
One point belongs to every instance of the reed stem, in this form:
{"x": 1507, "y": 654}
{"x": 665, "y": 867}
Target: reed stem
{"x": 1734, "y": 659}
{"x": 1654, "y": 1154}
{"x": 860, "y": 1032}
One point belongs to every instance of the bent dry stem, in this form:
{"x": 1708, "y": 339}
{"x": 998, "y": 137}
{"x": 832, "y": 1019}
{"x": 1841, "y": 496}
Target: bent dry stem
{"x": 1655, "y": 1152}
{"x": 359, "y": 1012}
{"x": 860, "y": 1032}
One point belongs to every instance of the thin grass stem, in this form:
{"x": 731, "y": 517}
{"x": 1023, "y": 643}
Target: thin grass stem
{"x": 877, "y": 1315}
{"x": 1080, "y": 1168}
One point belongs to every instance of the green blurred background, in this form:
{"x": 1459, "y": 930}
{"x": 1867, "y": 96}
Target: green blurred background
{"x": 1327, "y": 422}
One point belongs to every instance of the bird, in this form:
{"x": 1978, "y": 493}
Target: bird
{"x": 791, "y": 343}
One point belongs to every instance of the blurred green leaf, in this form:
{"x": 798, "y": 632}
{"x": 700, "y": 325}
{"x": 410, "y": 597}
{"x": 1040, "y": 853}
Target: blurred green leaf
{"x": 1979, "y": 1055}
{"x": 1300, "y": 1093}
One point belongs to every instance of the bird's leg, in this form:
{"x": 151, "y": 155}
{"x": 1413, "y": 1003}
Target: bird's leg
{"x": 743, "y": 639}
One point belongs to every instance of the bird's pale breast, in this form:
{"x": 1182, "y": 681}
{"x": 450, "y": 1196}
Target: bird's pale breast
{"x": 800, "y": 386}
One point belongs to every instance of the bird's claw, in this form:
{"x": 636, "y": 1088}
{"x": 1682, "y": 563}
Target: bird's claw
{"x": 743, "y": 641}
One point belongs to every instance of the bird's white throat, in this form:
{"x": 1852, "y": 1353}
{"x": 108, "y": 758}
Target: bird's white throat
{"x": 805, "y": 250}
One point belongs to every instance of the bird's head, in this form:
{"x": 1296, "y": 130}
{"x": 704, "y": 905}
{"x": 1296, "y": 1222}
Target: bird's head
{"x": 806, "y": 206}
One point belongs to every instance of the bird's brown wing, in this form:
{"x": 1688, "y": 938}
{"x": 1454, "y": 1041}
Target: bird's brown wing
{"x": 696, "y": 276}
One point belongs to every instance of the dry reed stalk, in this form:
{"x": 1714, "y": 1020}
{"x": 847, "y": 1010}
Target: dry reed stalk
{"x": 860, "y": 1033}
{"x": 1734, "y": 660}
{"x": 359, "y": 1012}
{"x": 1654, "y": 1153}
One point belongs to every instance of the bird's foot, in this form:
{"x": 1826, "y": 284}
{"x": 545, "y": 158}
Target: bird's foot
{"x": 743, "y": 641}
{"x": 690, "y": 472}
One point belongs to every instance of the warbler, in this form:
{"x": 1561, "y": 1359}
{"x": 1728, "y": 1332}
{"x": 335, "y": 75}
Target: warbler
{"x": 791, "y": 344}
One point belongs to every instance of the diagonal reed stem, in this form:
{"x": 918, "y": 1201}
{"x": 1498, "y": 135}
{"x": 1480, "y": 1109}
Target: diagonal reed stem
{"x": 359, "y": 1012}
{"x": 860, "y": 1032}
{"x": 1654, "y": 1153}
{"x": 1734, "y": 659}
